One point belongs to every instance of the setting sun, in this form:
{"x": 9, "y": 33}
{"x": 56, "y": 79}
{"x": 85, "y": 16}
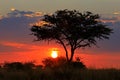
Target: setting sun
{"x": 54, "y": 54}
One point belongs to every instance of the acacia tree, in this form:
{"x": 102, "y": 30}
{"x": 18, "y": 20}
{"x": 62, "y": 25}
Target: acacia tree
{"x": 71, "y": 28}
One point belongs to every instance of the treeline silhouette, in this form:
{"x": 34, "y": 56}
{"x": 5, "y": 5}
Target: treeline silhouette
{"x": 55, "y": 69}
{"x": 18, "y": 66}
{"x": 47, "y": 63}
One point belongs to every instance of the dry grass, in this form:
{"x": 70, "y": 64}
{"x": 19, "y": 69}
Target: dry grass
{"x": 60, "y": 74}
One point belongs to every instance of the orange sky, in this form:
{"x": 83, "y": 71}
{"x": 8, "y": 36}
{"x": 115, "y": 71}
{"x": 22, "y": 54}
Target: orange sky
{"x": 91, "y": 60}
{"x": 38, "y": 53}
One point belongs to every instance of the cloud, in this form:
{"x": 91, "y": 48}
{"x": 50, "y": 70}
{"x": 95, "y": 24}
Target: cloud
{"x": 1, "y": 16}
{"x": 17, "y": 46}
{"x": 12, "y": 44}
{"x": 35, "y": 14}
{"x": 116, "y": 13}
{"x": 15, "y": 31}
{"x": 17, "y": 13}
{"x": 111, "y": 45}
{"x": 15, "y": 26}
{"x": 8, "y": 48}
{"x": 110, "y": 19}
{"x": 12, "y": 9}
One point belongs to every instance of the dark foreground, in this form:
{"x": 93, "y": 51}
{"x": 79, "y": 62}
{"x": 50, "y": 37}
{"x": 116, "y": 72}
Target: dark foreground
{"x": 58, "y": 73}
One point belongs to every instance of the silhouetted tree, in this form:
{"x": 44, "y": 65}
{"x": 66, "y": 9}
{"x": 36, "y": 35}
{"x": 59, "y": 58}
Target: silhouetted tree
{"x": 14, "y": 66}
{"x": 19, "y": 66}
{"x": 29, "y": 65}
{"x": 73, "y": 29}
{"x": 60, "y": 62}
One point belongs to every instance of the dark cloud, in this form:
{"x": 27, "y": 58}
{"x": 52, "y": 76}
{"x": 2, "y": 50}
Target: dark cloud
{"x": 15, "y": 25}
{"x": 113, "y": 44}
{"x": 17, "y": 13}
{"x": 4, "y": 48}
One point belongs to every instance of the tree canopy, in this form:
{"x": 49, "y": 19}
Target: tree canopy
{"x": 71, "y": 28}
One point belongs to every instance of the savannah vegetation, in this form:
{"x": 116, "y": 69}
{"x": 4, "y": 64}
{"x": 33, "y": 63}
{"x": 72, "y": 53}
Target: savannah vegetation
{"x": 55, "y": 69}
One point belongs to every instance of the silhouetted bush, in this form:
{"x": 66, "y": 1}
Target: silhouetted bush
{"x": 19, "y": 66}
{"x": 54, "y": 62}
{"x": 78, "y": 65}
{"x": 28, "y": 65}
{"x": 61, "y": 62}
{"x": 13, "y": 66}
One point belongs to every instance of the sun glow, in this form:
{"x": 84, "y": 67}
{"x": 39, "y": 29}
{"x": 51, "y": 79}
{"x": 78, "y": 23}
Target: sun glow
{"x": 54, "y": 54}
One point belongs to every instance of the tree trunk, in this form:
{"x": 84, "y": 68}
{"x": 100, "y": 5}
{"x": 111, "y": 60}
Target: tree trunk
{"x": 66, "y": 54}
{"x": 72, "y": 54}
{"x": 62, "y": 43}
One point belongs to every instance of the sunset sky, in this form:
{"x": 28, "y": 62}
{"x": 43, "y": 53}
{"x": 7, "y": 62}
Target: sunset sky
{"x": 16, "y": 43}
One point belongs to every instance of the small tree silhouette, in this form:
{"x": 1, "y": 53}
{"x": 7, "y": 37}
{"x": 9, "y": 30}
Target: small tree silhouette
{"x": 52, "y": 63}
{"x": 14, "y": 66}
{"x": 73, "y": 29}
{"x": 60, "y": 62}
{"x": 19, "y": 66}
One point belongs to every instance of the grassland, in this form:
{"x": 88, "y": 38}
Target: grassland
{"x": 31, "y": 72}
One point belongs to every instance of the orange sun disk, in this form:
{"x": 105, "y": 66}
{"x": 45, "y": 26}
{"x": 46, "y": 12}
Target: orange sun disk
{"x": 54, "y": 54}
